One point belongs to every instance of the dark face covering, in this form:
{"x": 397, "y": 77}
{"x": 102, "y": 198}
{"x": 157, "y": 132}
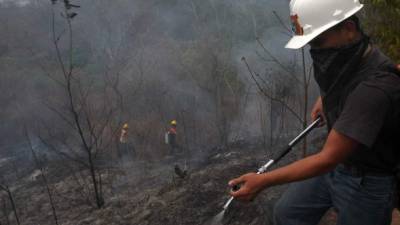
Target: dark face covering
{"x": 335, "y": 65}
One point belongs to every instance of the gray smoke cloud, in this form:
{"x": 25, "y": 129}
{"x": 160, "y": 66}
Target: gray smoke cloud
{"x": 164, "y": 51}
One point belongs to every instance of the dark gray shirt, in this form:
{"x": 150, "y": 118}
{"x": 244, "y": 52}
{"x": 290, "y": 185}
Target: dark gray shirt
{"x": 364, "y": 114}
{"x": 371, "y": 117}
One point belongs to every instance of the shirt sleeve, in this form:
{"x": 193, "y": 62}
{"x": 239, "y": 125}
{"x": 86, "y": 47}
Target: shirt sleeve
{"x": 364, "y": 114}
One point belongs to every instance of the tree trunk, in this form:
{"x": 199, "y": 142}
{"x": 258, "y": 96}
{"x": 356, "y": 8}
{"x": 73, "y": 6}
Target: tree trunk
{"x": 98, "y": 196}
{"x": 10, "y": 196}
{"x": 44, "y": 179}
{"x": 5, "y": 212}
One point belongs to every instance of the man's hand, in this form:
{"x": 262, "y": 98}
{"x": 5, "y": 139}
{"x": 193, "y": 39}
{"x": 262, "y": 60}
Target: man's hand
{"x": 317, "y": 110}
{"x": 251, "y": 185}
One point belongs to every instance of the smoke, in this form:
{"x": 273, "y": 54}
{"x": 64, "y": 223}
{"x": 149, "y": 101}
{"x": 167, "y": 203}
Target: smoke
{"x": 175, "y": 59}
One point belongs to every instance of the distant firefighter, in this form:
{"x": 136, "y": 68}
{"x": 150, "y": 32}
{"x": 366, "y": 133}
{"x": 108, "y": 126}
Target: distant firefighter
{"x": 126, "y": 150}
{"x": 170, "y": 137}
{"x": 124, "y": 133}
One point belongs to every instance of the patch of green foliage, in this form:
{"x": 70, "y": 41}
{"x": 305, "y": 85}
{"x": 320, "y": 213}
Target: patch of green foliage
{"x": 382, "y": 21}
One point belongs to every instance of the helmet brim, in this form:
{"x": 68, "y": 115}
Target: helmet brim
{"x": 299, "y": 41}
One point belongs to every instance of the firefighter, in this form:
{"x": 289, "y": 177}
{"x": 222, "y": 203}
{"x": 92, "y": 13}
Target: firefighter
{"x": 126, "y": 151}
{"x": 123, "y": 138}
{"x": 360, "y": 100}
{"x": 170, "y": 138}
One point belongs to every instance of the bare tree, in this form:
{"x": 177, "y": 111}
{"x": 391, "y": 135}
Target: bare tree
{"x": 301, "y": 87}
{"x": 90, "y": 110}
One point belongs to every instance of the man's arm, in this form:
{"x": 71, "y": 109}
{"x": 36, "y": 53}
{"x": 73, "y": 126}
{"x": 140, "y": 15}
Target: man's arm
{"x": 335, "y": 151}
{"x": 366, "y": 116}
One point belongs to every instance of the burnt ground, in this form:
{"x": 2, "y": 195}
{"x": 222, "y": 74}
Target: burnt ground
{"x": 152, "y": 194}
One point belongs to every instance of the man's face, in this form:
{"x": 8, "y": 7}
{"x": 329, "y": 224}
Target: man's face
{"x": 335, "y": 37}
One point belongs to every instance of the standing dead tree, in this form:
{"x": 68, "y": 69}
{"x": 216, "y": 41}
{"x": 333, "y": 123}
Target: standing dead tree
{"x": 298, "y": 109}
{"x": 86, "y": 109}
{"x": 76, "y": 121}
{"x": 277, "y": 94}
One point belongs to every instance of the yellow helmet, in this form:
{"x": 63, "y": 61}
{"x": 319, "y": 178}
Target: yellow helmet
{"x": 173, "y": 122}
{"x": 125, "y": 126}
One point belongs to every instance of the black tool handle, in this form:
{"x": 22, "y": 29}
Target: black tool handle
{"x": 286, "y": 150}
{"x": 289, "y": 147}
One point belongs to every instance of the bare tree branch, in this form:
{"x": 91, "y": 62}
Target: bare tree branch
{"x": 266, "y": 94}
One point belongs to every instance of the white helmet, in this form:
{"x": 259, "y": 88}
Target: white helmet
{"x": 312, "y": 17}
